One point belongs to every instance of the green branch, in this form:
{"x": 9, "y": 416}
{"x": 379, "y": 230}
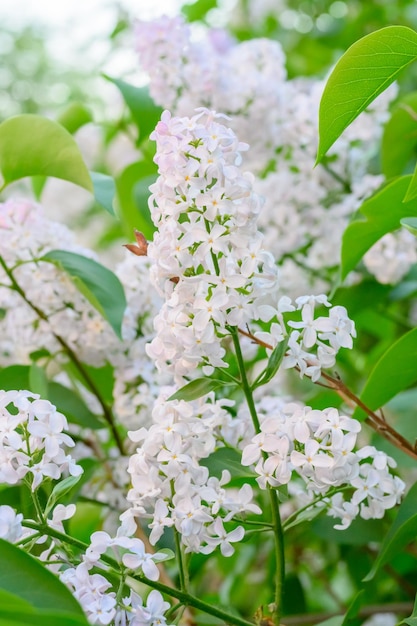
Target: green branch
{"x": 185, "y": 598}
{"x": 273, "y": 497}
{"x": 107, "y": 412}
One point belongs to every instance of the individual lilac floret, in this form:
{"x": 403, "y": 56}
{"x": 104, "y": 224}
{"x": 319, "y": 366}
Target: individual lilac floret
{"x": 10, "y": 524}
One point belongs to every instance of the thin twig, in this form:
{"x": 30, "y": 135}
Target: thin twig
{"x": 376, "y": 422}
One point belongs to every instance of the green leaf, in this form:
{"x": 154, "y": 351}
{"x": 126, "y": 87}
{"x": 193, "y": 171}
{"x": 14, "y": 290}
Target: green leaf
{"x": 72, "y": 406}
{"x": 74, "y": 117}
{"x": 104, "y": 191}
{"x": 132, "y": 198}
{"x": 412, "y": 620}
{"x": 87, "y": 519}
{"x": 98, "y": 284}
{"x": 410, "y": 223}
{"x": 274, "y": 363}
{"x": 226, "y": 458}
{"x": 365, "y": 70}
{"x": 197, "y": 388}
{"x": 37, "y": 381}
{"x": 396, "y": 370}
{"x": 60, "y": 490}
{"x": 198, "y": 10}
{"x": 8, "y": 599}
{"x": 412, "y": 188}
{"x": 25, "y": 577}
{"x": 401, "y": 533}
{"x": 31, "y": 145}
{"x": 399, "y": 140}
{"x": 382, "y": 212}
{"x": 145, "y": 113}
{"x": 24, "y": 617}
{"x": 14, "y": 377}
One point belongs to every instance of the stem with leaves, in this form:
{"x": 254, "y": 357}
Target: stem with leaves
{"x": 376, "y": 422}
{"x": 184, "y": 598}
{"x": 107, "y": 412}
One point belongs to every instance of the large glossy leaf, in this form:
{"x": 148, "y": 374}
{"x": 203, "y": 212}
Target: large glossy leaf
{"x": 97, "y": 283}
{"x": 132, "y": 197}
{"x": 366, "y": 69}
{"x": 31, "y": 145}
{"x": 383, "y": 213}
{"x": 401, "y": 533}
{"x": 25, "y": 577}
{"x": 15, "y": 611}
{"x": 399, "y": 141}
{"x": 145, "y": 112}
{"x": 18, "y": 617}
{"x": 396, "y": 370}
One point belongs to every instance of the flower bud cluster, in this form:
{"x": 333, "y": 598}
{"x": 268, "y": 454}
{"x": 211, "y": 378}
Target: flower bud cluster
{"x": 319, "y": 447}
{"x": 32, "y": 442}
{"x": 208, "y": 259}
{"x": 172, "y": 487}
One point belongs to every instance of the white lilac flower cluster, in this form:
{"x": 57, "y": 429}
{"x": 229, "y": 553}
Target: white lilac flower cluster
{"x": 210, "y": 264}
{"x": 208, "y": 258}
{"x": 32, "y": 440}
{"x": 391, "y": 257}
{"x": 136, "y": 380}
{"x": 93, "y": 590}
{"x": 319, "y": 447}
{"x": 172, "y": 487}
{"x": 326, "y": 334}
{"x": 26, "y": 235}
{"x": 306, "y": 208}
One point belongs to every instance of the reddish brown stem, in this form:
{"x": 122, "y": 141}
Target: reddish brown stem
{"x": 376, "y": 422}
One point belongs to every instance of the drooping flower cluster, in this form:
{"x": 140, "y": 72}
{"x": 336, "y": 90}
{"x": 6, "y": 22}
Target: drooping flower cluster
{"x": 32, "y": 440}
{"x": 208, "y": 258}
{"x": 319, "y": 446}
{"x": 172, "y": 487}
